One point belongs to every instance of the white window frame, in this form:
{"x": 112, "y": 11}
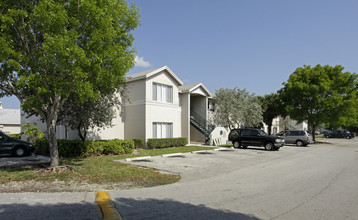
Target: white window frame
{"x": 162, "y": 93}
{"x": 162, "y": 130}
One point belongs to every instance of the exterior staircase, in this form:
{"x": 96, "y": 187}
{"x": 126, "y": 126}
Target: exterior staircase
{"x": 201, "y": 124}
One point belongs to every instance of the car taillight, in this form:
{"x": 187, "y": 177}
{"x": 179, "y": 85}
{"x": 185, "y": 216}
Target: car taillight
{"x": 308, "y": 138}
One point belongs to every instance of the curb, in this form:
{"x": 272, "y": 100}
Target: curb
{"x": 106, "y": 207}
{"x": 172, "y": 155}
{"x": 138, "y": 158}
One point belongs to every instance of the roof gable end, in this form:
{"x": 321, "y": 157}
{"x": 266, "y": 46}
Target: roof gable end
{"x": 152, "y": 72}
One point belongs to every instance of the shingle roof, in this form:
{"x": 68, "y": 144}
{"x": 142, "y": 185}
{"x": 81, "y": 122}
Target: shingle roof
{"x": 149, "y": 73}
{"x": 192, "y": 87}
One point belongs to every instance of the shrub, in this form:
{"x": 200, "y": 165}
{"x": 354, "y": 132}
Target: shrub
{"x": 109, "y": 147}
{"x": 71, "y": 148}
{"x": 42, "y": 147}
{"x": 18, "y": 136}
{"x": 75, "y": 148}
{"x": 32, "y": 132}
{"x": 166, "y": 142}
{"x": 138, "y": 143}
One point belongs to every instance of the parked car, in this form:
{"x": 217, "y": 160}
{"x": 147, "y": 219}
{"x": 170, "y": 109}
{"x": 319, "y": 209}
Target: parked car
{"x": 254, "y": 137}
{"x": 338, "y": 134}
{"x": 16, "y": 147}
{"x": 298, "y": 137}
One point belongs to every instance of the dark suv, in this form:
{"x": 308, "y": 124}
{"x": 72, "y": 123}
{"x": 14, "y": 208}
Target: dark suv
{"x": 16, "y": 147}
{"x": 338, "y": 134}
{"x": 254, "y": 137}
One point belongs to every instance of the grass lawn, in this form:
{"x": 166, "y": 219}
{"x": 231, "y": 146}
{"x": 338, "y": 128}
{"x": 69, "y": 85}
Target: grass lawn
{"x": 100, "y": 169}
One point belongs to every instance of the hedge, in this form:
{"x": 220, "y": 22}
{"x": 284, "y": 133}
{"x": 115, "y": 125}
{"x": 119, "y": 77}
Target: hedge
{"x": 138, "y": 143}
{"x": 166, "y": 142}
{"x": 76, "y": 148}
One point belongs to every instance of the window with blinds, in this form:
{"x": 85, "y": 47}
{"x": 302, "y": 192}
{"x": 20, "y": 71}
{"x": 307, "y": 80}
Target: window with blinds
{"x": 162, "y": 130}
{"x": 162, "y": 93}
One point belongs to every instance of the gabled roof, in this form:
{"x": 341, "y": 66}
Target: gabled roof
{"x": 149, "y": 73}
{"x": 193, "y": 87}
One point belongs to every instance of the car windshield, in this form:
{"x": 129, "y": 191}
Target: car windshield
{"x": 262, "y": 133}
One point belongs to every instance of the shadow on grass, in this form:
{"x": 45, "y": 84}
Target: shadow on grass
{"x": 170, "y": 209}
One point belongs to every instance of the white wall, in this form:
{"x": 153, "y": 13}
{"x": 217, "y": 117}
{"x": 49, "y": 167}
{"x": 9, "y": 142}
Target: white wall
{"x": 10, "y": 121}
{"x": 219, "y": 136}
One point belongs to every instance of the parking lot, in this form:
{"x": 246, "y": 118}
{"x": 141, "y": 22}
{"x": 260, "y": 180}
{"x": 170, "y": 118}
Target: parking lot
{"x": 315, "y": 182}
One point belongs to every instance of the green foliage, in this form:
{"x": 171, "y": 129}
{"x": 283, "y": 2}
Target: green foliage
{"x": 18, "y": 136}
{"x": 77, "y": 148}
{"x": 271, "y": 108}
{"x": 154, "y": 143}
{"x": 115, "y": 147}
{"x": 51, "y": 51}
{"x": 138, "y": 143}
{"x": 32, "y": 132}
{"x": 322, "y": 94}
{"x": 235, "y": 106}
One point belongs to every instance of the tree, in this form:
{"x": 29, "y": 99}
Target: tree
{"x": 90, "y": 114}
{"x": 51, "y": 50}
{"x": 235, "y": 107}
{"x": 322, "y": 94}
{"x": 271, "y": 108}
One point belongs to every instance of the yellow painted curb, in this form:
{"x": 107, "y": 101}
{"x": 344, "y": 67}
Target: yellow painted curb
{"x": 106, "y": 208}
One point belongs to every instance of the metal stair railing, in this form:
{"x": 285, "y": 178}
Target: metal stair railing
{"x": 201, "y": 124}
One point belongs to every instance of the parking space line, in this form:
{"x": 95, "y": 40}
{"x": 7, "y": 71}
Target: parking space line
{"x": 106, "y": 208}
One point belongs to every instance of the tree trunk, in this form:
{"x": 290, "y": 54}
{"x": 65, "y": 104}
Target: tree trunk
{"x": 314, "y": 132}
{"x": 269, "y": 128}
{"x": 82, "y": 136}
{"x": 51, "y": 130}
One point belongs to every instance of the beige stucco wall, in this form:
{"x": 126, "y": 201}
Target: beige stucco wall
{"x": 185, "y": 114}
{"x": 162, "y": 112}
{"x": 134, "y": 121}
{"x": 116, "y": 131}
{"x": 136, "y": 91}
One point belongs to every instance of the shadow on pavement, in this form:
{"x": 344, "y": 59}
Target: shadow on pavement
{"x": 169, "y": 209}
{"x": 40, "y": 211}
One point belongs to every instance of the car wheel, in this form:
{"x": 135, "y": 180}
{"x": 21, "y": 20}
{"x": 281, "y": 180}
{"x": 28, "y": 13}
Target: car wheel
{"x": 299, "y": 143}
{"x": 269, "y": 146}
{"x": 236, "y": 144}
{"x": 19, "y": 151}
{"x": 327, "y": 136}
{"x": 348, "y": 137}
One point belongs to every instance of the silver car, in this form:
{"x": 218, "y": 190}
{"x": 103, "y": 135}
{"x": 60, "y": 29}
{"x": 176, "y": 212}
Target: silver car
{"x": 298, "y": 137}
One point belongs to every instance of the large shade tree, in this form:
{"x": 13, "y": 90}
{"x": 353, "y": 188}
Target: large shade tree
{"x": 52, "y": 50}
{"x": 235, "y": 107}
{"x": 321, "y": 94}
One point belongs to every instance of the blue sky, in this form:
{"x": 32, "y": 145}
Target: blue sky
{"x": 251, "y": 44}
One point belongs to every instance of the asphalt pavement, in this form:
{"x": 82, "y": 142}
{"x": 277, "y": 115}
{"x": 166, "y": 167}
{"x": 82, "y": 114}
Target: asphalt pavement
{"x": 315, "y": 182}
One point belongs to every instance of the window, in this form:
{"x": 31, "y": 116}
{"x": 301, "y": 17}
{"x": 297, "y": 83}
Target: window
{"x": 245, "y": 132}
{"x": 162, "y": 93}
{"x": 162, "y": 130}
